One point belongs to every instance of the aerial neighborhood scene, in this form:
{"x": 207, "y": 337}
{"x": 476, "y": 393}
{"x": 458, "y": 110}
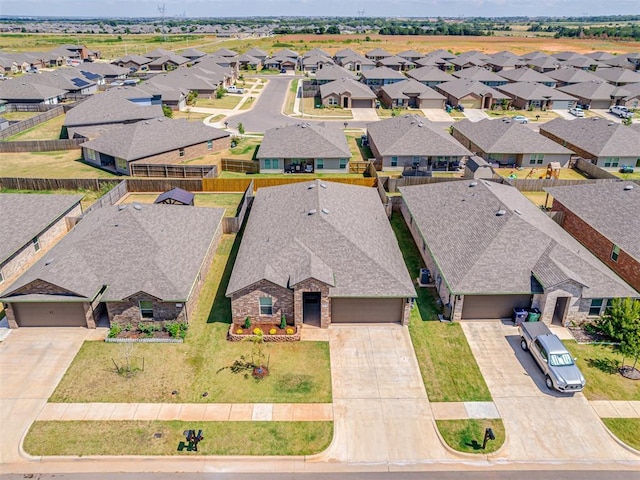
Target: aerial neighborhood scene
{"x": 324, "y": 240}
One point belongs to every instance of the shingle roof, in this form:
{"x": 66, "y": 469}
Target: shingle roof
{"x": 173, "y": 58}
{"x": 348, "y": 245}
{"x": 385, "y": 73}
{"x": 305, "y": 140}
{"x": 429, "y": 74}
{"x": 192, "y": 53}
{"x": 256, "y": 52}
{"x": 225, "y": 52}
{"x": 137, "y": 59}
{"x": 104, "y": 69}
{"x": 461, "y": 88}
{"x": 16, "y": 90}
{"x": 356, "y": 89}
{"x": 27, "y": 215}
{"x": 591, "y": 90}
{"x": 410, "y": 54}
{"x": 618, "y": 75}
{"x": 597, "y": 136}
{"x": 572, "y": 75}
{"x": 395, "y": 60}
{"x": 479, "y": 252}
{"x": 176, "y": 194}
{"x": 357, "y": 58}
{"x": 479, "y": 74}
{"x": 285, "y": 52}
{"x": 157, "y": 249}
{"x": 534, "y": 91}
{"x": 608, "y": 208}
{"x": 526, "y": 74}
{"x": 377, "y": 52}
{"x": 334, "y": 72}
{"x": 504, "y": 136}
{"x": 410, "y": 135}
{"x": 411, "y": 86}
{"x": 345, "y": 52}
{"x": 135, "y": 141}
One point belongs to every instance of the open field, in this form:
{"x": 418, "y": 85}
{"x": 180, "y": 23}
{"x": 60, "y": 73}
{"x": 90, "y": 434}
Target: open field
{"x": 138, "y": 438}
{"x": 49, "y": 130}
{"x": 467, "y": 435}
{"x": 299, "y": 371}
{"x": 539, "y": 172}
{"x": 58, "y": 164}
{"x": 228, "y": 201}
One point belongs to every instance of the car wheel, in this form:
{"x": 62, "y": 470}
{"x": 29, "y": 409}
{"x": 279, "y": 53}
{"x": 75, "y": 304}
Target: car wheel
{"x": 548, "y": 382}
{"x": 523, "y": 344}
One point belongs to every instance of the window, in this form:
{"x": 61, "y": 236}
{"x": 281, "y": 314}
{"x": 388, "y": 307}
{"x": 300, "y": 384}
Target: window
{"x": 536, "y": 158}
{"x": 36, "y": 244}
{"x": 332, "y": 101}
{"x": 266, "y": 306}
{"x": 596, "y": 304}
{"x": 181, "y": 152}
{"x": 394, "y": 161}
{"x": 275, "y": 163}
{"x": 267, "y": 164}
{"x": 121, "y": 164}
{"x": 1, "y": 277}
{"x": 146, "y": 308}
{"x": 210, "y": 145}
{"x": 532, "y": 161}
{"x": 611, "y": 162}
{"x": 319, "y": 163}
{"x": 343, "y": 163}
{"x": 615, "y": 253}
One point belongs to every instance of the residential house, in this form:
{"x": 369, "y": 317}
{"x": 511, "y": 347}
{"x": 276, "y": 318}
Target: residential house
{"x": 569, "y": 76}
{"x": 304, "y": 147}
{"x": 412, "y": 141}
{"x": 583, "y": 62}
{"x": 411, "y": 94}
{"x": 530, "y": 95}
{"x": 377, "y": 54}
{"x": 158, "y": 53}
{"x": 155, "y": 141}
{"x": 631, "y": 97}
{"x": 618, "y": 76}
{"x": 394, "y": 62}
{"x": 257, "y": 53}
{"x": 130, "y": 264}
{"x": 380, "y": 76}
{"x": 285, "y": 52}
{"x": 444, "y": 54}
{"x": 357, "y": 63}
{"x": 429, "y": 76}
{"x": 20, "y": 91}
{"x": 482, "y": 75}
{"x": 526, "y": 74}
{"x": 509, "y": 143}
{"x": 601, "y": 56}
{"x": 533, "y": 55}
{"x": 470, "y": 94}
{"x": 280, "y": 62}
{"x": 330, "y": 73}
{"x": 608, "y": 145}
{"x": 33, "y": 224}
{"x": 434, "y": 61}
{"x": 345, "y": 52}
{"x": 411, "y": 55}
{"x": 313, "y": 255}
{"x": 167, "y": 63}
{"x": 347, "y": 93}
{"x": 225, "y": 52}
{"x": 504, "y": 62}
{"x": 248, "y": 62}
{"x": 193, "y": 54}
{"x": 604, "y": 218}
{"x": 490, "y": 250}
{"x": 314, "y": 63}
{"x": 135, "y": 63}
{"x": 594, "y": 94}
{"x": 544, "y": 64}
{"x": 621, "y": 61}
{"x": 469, "y": 59}
{"x": 108, "y": 71}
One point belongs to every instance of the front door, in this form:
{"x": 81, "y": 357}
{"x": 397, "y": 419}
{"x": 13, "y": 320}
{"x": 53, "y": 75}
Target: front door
{"x": 311, "y": 308}
{"x": 345, "y": 102}
{"x": 560, "y": 311}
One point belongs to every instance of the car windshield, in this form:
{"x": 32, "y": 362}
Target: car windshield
{"x": 561, "y": 360}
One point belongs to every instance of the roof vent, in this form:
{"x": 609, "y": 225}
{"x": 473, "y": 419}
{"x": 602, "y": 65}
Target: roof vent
{"x": 628, "y": 187}
{"x": 420, "y": 124}
{"x": 137, "y": 206}
{"x": 473, "y": 184}
{"x": 518, "y": 211}
{"x": 610, "y": 124}
{"x": 325, "y": 211}
{"x": 122, "y": 207}
{"x": 49, "y": 262}
{"x": 501, "y": 212}
{"x": 310, "y": 186}
{"x": 312, "y": 212}
{"x": 323, "y": 185}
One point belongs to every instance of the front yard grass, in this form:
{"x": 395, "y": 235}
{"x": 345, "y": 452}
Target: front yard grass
{"x": 299, "y": 371}
{"x": 49, "y": 130}
{"x": 191, "y": 116}
{"x": 626, "y": 429}
{"x": 137, "y": 438}
{"x": 467, "y": 435}
{"x": 58, "y": 164}
{"x": 228, "y": 102}
{"x": 532, "y": 115}
{"x": 396, "y": 112}
{"x": 228, "y": 201}
{"x": 599, "y": 365}
{"x": 308, "y": 108}
{"x": 449, "y": 370}
{"x": 539, "y": 172}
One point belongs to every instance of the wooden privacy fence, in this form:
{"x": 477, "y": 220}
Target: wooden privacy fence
{"x": 592, "y": 170}
{"x": 239, "y": 166}
{"x": 241, "y": 184}
{"x": 111, "y": 197}
{"x": 394, "y": 183}
{"x": 234, "y": 224}
{"x": 162, "y": 185}
{"x": 30, "y": 107}
{"x": 539, "y": 184}
{"x": 31, "y": 122}
{"x": 172, "y": 171}
{"x": 41, "y": 145}
{"x": 56, "y": 183}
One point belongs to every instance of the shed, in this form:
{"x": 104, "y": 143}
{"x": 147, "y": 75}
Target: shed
{"x": 176, "y": 196}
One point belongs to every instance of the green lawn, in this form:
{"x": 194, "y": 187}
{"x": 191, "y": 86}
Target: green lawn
{"x": 88, "y": 199}
{"x": 247, "y": 103}
{"x": 626, "y": 429}
{"x": 244, "y": 150}
{"x": 191, "y": 116}
{"x": 49, "y": 130}
{"x": 449, "y": 370}
{"x": 228, "y": 201}
{"x": 137, "y": 438}
{"x": 291, "y": 97}
{"x": 19, "y": 116}
{"x": 599, "y": 364}
{"x": 58, "y": 164}
{"x": 308, "y": 107}
{"x": 358, "y": 152}
{"x": 299, "y": 371}
{"x": 467, "y": 435}
{"x": 628, "y": 176}
{"x": 227, "y": 102}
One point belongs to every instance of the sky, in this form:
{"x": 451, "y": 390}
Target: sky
{"x": 386, "y": 8}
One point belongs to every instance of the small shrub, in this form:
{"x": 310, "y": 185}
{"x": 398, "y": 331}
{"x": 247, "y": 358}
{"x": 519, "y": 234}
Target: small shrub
{"x": 257, "y": 331}
{"x": 115, "y": 330}
{"x": 148, "y": 329}
{"x": 290, "y": 331}
{"x": 273, "y": 331}
{"x": 128, "y": 327}
{"x": 239, "y": 331}
{"x": 283, "y": 321}
{"x": 247, "y": 323}
{"x": 176, "y": 329}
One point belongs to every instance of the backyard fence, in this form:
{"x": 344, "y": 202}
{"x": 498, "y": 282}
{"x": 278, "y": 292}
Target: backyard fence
{"x": 239, "y": 166}
{"x": 234, "y": 224}
{"x": 539, "y": 184}
{"x": 40, "y": 145}
{"x": 112, "y": 197}
{"x": 592, "y": 170}
{"x": 56, "y": 183}
{"x": 30, "y": 107}
{"x": 172, "y": 171}
{"x": 31, "y": 122}
{"x": 135, "y": 185}
{"x": 394, "y": 183}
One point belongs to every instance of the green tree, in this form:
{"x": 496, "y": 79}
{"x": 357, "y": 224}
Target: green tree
{"x": 167, "y": 111}
{"x": 220, "y": 91}
{"x": 621, "y": 322}
{"x": 240, "y": 128}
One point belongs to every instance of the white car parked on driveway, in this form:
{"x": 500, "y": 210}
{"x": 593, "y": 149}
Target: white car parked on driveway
{"x": 577, "y": 112}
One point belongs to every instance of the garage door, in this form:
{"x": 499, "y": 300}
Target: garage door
{"x": 361, "y": 104}
{"x": 366, "y": 310}
{"x": 479, "y": 307}
{"x": 436, "y": 104}
{"x": 49, "y": 314}
{"x": 562, "y": 105}
{"x": 470, "y": 103}
{"x": 600, "y": 104}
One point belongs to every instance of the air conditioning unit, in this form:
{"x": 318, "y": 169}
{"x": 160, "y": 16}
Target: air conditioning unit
{"x": 425, "y": 277}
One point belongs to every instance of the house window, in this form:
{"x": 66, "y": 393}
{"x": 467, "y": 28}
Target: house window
{"x": 121, "y": 164}
{"x": 36, "y": 244}
{"x": 267, "y": 163}
{"x": 181, "y": 152}
{"x": 394, "y": 161}
{"x": 539, "y": 158}
{"x": 611, "y": 162}
{"x": 532, "y": 161}
{"x": 146, "y": 308}
{"x": 596, "y": 305}
{"x": 343, "y": 163}
{"x": 210, "y": 145}
{"x": 319, "y": 163}
{"x": 275, "y": 163}
{"x": 332, "y": 101}
{"x": 615, "y": 253}
{"x": 266, "y": 306}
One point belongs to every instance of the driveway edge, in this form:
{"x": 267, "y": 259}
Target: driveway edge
{"x": 618, "y": 441}
{"x": 477, "y": 456}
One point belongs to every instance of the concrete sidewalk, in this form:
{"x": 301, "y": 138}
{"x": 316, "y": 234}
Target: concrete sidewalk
{"x": 464, "y": 410}
{"x": 616, "y": 409}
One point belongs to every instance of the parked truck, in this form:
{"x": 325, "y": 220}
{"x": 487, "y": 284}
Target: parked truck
{"x": 553, "y": 358}
{"x": 622, "y": 112}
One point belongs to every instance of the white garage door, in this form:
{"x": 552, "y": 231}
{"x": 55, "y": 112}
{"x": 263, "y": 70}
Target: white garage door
{"x": 63, "y": 314}
{"x": 562, "y": 105}
{"x": 366, "y": 310}
{"x": 361, "y": 103}
{"x": 436, "y": 104}
{"x": 481, "y": 307}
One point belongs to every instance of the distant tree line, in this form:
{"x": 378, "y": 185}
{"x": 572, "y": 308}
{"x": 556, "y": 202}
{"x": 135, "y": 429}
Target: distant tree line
{"x": 629, "y": 31}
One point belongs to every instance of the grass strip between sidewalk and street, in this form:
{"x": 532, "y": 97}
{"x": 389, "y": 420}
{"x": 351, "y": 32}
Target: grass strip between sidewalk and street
{"x": 83, "y": 438}
{"x": 467, "y": 435}
{"x": 449, "y": 370}
{"x": 626, "y": 429}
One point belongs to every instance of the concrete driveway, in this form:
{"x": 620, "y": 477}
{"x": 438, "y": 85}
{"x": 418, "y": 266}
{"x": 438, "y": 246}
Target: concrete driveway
{"x": 475, "y": 114}
{"x": 364, "y": 114}
{"x": 32, "y": 362}
{"x": 437, "y": 115}
{"x": 381, "y": 410}
{"x": 541, "y": 425}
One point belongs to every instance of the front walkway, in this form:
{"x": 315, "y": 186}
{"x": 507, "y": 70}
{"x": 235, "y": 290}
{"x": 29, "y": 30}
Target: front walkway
{"x": 475, "y": 114}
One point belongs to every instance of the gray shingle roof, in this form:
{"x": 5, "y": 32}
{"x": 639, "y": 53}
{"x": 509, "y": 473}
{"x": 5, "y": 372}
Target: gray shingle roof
{"x": 356, "y": 89}
{"x": 377, "y": 52}
{"x": 173, "y": 58}
{"x": 258, "y": 53}
{"x": 410, "y": 135}
{"x": 479, "y": 74}
{"x": 27, "y": 215}
{"x": 192, "y": 53}
{"x": 597, "y": 136}
{"x": 137, "y": 59}
{"x": 157, "y": 249}
{"x": 479, "y": 252}
{"x": 461, "y": 88}
{"x": 572, "y": 75}
{"x": 305, "y": 140}
{"x": 608, "y": 208}
{"x": 618, "y": 75}
{"x": 500, "y": 136}
{"x": 334, "y": 72}
{"x": 351, "y": 247}
{"x": 411, "y": 86}
{"x": 395, "y": 60}
{"x": 526, "y": 75}
{"x": 429, "y": 74}
{"x": 135, "y": 141}
{"x": 104, "y": 69}
{"x": 591, "y": 90}
{"x": 16, "y": 90}
{"x": 534, "y": 91}
{"x": 381, "y": 73}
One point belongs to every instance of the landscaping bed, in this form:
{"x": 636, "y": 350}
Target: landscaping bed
{"x": 268, "y": 333}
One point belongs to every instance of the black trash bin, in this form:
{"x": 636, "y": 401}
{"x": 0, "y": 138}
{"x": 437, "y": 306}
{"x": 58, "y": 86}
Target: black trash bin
{"x": 519, "y": 315}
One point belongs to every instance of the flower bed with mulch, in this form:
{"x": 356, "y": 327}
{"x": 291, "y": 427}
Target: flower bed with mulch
{"x": 270, "y": 333}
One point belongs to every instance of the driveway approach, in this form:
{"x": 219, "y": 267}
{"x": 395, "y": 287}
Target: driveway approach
{"x": 541, "y": 425}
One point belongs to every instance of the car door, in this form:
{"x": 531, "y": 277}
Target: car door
{"x": 540, "y": 355}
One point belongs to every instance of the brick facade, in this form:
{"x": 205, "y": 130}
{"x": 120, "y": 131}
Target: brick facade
{"x": 626, "y": 266}
{"x": 128, "y": 311}
{"x": 246, "y": 303}
{"x": 313, "y": 285}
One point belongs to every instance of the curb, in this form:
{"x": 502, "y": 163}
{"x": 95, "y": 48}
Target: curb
{"x": 618, "y": 441}
{"x": 477, "y": 456}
